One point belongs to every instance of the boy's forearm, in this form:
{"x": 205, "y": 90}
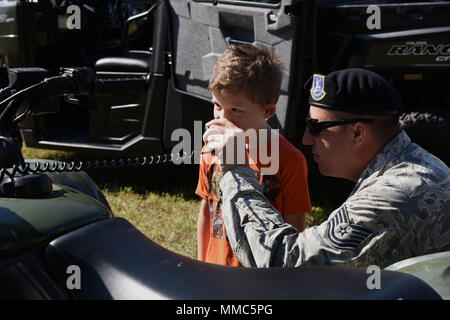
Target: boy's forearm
{"x": 200, "y": 237}
{"x": 202, "y": 229}
{"x": 296, "y": 220}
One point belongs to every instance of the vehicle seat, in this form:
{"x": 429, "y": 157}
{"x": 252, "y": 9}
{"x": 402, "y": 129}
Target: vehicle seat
{"x": 133, "y": 61}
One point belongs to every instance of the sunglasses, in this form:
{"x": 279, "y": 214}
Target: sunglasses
{"x": 316, "y": 126}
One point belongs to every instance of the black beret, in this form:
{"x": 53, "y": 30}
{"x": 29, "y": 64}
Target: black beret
{"x": 355, "y": 91}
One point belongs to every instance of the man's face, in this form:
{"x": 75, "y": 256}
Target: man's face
{"x": 235, "y": 107}
{"x": 332, "y": 147}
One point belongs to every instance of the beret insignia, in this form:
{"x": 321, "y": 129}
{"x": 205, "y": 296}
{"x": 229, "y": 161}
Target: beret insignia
{"x": 318, "y": 86}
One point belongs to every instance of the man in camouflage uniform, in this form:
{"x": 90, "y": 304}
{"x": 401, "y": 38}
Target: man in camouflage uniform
{"x": 399, "y": 207}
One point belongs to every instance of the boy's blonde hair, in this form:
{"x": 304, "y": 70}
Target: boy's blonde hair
{"x": 253, "y": 71}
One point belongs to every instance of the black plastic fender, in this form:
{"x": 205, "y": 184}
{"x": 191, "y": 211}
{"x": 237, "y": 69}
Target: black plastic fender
{"x": 116, "y": 261}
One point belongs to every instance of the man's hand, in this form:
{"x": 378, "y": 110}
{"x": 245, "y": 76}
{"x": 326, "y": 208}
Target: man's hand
{"x": 228, "y": 142}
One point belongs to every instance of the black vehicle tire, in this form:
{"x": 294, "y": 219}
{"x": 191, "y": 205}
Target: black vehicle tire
{"x": 430, "y": 129}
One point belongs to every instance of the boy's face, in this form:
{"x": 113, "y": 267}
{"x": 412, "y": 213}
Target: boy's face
{"x": 235, "y": 107}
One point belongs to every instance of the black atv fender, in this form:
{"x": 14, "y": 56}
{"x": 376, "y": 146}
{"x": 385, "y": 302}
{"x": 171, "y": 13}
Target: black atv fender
{"x": 116, "y": 261}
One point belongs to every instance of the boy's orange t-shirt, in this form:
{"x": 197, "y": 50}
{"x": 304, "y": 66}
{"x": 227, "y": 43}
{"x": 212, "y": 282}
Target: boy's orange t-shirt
{"x": 287, "y": 191}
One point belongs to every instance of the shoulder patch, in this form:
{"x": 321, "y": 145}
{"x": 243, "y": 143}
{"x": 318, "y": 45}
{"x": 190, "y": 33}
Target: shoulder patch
{"x": 343, "y": 235}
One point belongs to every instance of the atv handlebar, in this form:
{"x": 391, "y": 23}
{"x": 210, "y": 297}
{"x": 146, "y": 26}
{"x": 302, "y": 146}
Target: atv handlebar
{"x": 78, "y": 81}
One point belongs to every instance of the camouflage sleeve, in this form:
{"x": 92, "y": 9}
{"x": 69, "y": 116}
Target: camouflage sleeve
{"x": 365, "y": 230}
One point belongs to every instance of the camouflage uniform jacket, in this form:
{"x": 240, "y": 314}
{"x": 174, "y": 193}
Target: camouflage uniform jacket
{"x": 399, "y": 208}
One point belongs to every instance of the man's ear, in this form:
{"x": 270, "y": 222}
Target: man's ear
{"x": 269, "y": 110}
{"x": 360, "y": 134}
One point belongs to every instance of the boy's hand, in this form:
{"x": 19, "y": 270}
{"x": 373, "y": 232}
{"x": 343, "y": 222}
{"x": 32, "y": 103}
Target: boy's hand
{"x": 228, "y": 142}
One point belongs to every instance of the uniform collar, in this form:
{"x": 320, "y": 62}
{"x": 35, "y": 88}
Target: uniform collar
{"x": 391, "y": 150}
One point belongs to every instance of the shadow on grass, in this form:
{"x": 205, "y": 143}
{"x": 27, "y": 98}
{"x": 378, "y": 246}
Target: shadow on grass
{"x": 162, "y": 178}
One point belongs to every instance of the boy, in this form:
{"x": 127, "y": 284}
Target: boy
{"x": 245, "y": 85}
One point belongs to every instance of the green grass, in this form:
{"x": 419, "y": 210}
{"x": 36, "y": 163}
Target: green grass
{"x": 159, "y": 201}
{"x": 167, "y": 219}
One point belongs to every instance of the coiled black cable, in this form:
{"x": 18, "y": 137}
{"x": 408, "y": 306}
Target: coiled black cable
{"x": 61, "y": 166}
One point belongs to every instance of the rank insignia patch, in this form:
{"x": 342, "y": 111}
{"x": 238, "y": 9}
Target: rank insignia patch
{"x": 343, "y": 235}
{"x": 318, "y": 86}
